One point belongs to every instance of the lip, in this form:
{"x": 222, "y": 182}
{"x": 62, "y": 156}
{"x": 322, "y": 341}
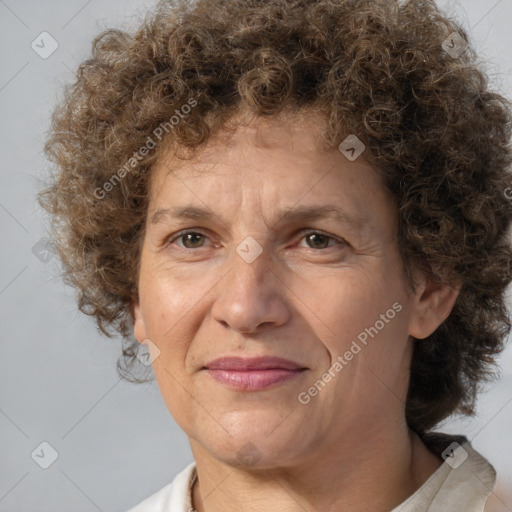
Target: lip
{"x": 253, "y": 374}
{"x": 253, "y": 363}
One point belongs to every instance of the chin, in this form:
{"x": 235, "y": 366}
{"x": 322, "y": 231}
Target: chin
{"x": 254, "y": 448}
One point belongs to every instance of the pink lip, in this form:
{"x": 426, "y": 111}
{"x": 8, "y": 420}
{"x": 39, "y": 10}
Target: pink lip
{"x": 252, "y": 379}
{"x": 253, "y": 363}
{"x": 252, "y": 374}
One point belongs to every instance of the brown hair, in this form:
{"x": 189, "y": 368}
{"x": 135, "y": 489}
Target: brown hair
{"x": 375, "y": 68}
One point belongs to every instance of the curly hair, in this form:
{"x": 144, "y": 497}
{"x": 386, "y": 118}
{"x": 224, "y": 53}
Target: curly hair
{"x": 433, "y": 129}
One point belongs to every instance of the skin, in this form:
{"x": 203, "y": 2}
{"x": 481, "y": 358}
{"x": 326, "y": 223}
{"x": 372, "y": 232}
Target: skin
{"x": 304, "y": 298}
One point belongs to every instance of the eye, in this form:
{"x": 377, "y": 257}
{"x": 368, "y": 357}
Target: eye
{"x": 318, "y": 240}
{"x": 191, "y": 239}
{"x": 195, "y": 240}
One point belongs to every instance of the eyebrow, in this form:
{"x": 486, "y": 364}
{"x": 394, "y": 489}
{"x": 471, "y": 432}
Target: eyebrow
{"x": 291, "y": 214}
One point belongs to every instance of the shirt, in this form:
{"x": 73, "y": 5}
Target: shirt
{"x": 462, "y": 483}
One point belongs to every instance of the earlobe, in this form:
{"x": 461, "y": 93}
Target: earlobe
{"x": 433, "y": 304}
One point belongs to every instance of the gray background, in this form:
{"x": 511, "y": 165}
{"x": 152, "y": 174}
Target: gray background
{"x": 116, "y": 441}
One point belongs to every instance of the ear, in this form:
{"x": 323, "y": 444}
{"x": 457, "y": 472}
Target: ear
{"x": 139, "y": 327}
{"x": 432, "y": 304}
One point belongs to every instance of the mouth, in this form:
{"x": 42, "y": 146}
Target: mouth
{"x": 253, "y": 363}
{"x": 253, "y": 374}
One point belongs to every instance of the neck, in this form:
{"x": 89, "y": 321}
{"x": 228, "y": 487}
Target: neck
{"x": 377, "y": 473}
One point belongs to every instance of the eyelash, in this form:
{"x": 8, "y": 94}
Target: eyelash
{"x": 304, "y": 233}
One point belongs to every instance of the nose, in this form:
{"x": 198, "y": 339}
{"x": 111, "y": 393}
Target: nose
{"x": 252, "y": 296}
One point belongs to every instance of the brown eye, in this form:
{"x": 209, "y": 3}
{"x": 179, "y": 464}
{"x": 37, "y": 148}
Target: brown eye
{"x": 189, "y": 240}
{"x": 193, "y": 239}
{"x": 317, "y": 240}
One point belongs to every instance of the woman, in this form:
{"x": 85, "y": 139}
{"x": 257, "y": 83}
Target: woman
{"x": 298, "y": 208}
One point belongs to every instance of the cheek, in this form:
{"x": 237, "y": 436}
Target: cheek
{"x": 167, "y": 303}
{"x": 361, "y": 307}
{"x": 171, "y": 319}
{"x": 349, "y": 297}
{"x": 161, "y": 324}
{"x": 175, "y": 391}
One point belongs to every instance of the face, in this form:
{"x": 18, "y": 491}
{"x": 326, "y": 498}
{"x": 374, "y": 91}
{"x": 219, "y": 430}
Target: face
{"x": 322, "y": 287}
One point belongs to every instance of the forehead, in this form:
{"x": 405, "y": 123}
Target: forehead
{"x": 300, "y": 133}
{"x": 282, "y": 162}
